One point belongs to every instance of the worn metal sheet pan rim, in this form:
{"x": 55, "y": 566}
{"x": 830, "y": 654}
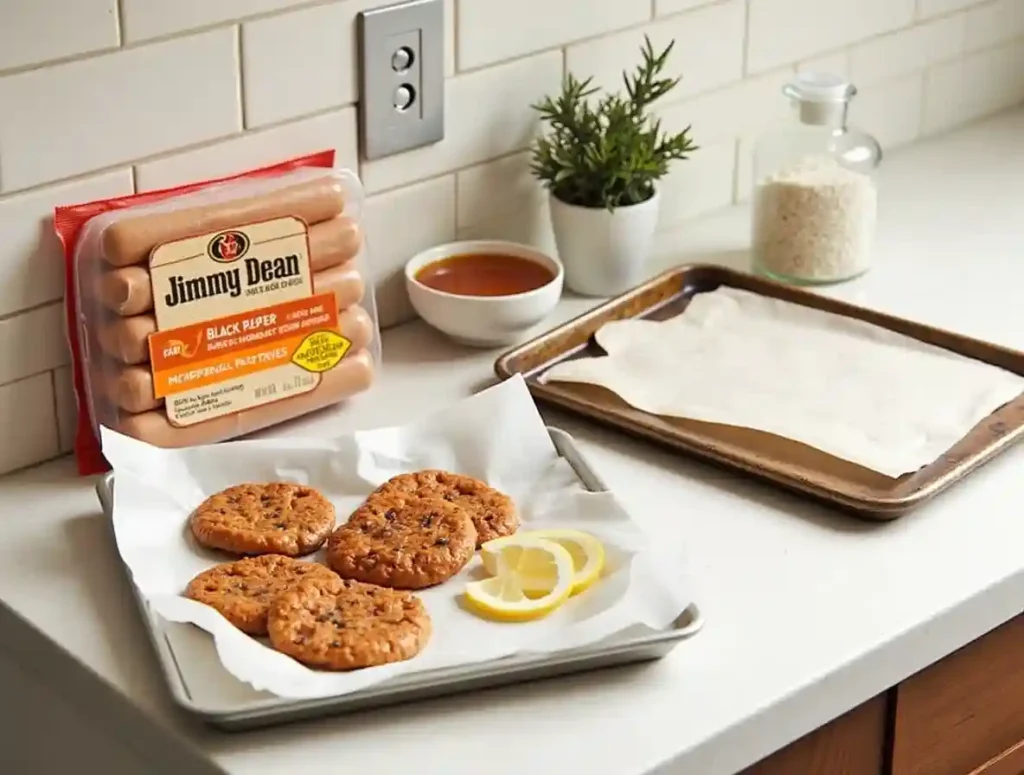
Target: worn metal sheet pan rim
{"x": 431, "y": 683}
{"x": 871, "y": 506}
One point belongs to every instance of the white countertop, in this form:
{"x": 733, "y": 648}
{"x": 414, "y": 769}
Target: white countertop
{"x": 809, "y": 612}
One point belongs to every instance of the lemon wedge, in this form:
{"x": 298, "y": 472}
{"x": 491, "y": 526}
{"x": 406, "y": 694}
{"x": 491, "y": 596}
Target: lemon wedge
{"x": 527, "y": 563}
{"x": 587, "y": 556}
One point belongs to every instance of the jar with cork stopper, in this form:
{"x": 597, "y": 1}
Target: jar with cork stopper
{"x": 815, "y": 202}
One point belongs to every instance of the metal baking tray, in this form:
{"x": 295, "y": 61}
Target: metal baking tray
{"x": 204, "y": 689}
{"x": 795, "y": 466}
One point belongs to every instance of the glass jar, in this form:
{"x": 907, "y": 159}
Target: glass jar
{"x": 814, "y": 200}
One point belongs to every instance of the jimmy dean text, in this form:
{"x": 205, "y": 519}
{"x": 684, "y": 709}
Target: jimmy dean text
{"x": 229, "y": 281}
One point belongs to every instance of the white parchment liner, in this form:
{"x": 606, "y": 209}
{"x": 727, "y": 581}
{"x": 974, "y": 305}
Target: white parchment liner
{"x": 497, "y": 436}
{"x": 849, "y": 388}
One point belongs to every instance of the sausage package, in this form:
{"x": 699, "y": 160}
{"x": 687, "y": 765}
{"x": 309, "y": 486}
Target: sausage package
{"x": 210, "y": 311}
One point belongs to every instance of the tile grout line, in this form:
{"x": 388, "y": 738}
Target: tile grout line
{"x": 34, "y": 374}
{"x": 132, "y": 45}
{"x": 455, "y": 208}
{"x": 456, "y": 21}
{"x": 56, "y": 409}
{"x": 737, "y": 153}
{"x": 455, "y": 171}
{"x": 29, "y": 310}
{"x": 566, "y": 44}
{"x": 183, "y": 33}
{"x": 162, "y": 155}
{"x": 248, "y": 130}
{"x": 239, "y": 54}
{"x": 18, "y": 70}
{"x": 745, "y": 67}
{"x": 923, "y": 112}
{"x": 119, "y": 21}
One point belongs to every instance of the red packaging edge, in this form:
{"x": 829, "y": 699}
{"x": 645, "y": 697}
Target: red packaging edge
{"x": 68, "y": 221}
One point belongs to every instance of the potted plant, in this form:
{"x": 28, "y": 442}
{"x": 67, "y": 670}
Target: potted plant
{"x": 600, "y": 161}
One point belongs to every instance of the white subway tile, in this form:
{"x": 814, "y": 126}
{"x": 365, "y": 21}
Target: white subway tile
{"x": 908, "y": 51}
{"x": 927, "y": 8}
{"x": 278, "y": 85}
{"x": 30, "y": 428}
{"x": 701, "y": 184}
{"x": 487, "y": 115}
{"x": 891, "y": 111}
{"x": 666, "y": 7}
{"x": 782, "y": 31}
{"x": 994, "y": 23}
{"x": 32, "y": 342}
{"x": 494, "y": 30}
{"x": 143, "y": 19}
{"x": 449, "y": 38}
{"x": 31, "y": 256}
{"x": 972, "y": 87}
{"x": 708, "y": 50}
{"x": 256, "y": 149}
{"x": 487, "y": 191}
{"x": 838, "y": 63}
{"x": 502, "y": 200}
{"x": 730, "y": 118}
{"x": 743, "y": 108}
{"x": 39, "y": 30}
{"x": 527, "y": 226}
{"x": 399, "y": 224}
{"x": 117, "y": 107}
{"x": 745, "y": 148}
{"x": 67, "y": 408}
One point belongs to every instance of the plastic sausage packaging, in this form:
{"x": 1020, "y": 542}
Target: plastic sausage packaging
{"x": 210, "y": 311}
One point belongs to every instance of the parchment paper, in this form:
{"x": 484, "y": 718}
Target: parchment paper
{"x": 497, "y": 436}
{"x": 849, "y": 388}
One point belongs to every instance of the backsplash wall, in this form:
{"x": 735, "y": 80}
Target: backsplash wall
{"x": 100, "y": 97}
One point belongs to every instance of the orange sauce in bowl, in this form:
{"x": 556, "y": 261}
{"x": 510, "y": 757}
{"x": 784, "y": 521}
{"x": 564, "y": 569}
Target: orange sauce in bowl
{"x": 484, "y": 274}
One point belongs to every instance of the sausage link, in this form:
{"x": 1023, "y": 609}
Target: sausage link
{"x": 352, "y": 376}
{"x": 333, "y": 242}
{"x": 130, "y": 240}
{"x": 131, "y": 387}
{"x": 127, "y": 338}
{"x": 127, "y": 290}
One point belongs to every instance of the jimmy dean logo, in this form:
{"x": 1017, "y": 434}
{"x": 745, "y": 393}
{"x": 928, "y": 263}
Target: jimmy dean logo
{"x": 228, "y": 246}
{"x": 230, "y": 281}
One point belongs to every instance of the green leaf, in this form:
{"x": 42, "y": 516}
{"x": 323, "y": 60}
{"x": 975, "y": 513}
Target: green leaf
{"x": 608, "y": 152}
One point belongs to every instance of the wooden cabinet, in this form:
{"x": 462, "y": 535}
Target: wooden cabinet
{"x": 853, "y": 744}
{"x": 965, "y": 714}
{"x": 961, "y": 716}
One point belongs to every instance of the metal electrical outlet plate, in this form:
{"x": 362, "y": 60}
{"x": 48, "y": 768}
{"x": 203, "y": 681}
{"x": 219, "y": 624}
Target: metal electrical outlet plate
{"x": 401, "y": 64}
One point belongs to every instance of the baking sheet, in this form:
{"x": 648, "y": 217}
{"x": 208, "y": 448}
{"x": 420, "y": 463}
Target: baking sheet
{"x": 783, "y": 462}
{"x": 854, "y": 390}
{"x": 497, "y": 436}
{"x": 202, "y": 688}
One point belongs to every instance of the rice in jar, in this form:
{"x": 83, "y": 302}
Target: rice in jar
{"x": 815, "y": 203}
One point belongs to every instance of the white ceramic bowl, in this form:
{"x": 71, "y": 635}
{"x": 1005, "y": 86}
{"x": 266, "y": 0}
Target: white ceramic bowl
{"x": 483, "y": 321}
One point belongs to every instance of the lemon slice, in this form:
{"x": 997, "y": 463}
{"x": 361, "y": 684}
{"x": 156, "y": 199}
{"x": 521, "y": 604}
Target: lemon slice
{"x": 586, "y": 551}
{"x": 526, "y": 563}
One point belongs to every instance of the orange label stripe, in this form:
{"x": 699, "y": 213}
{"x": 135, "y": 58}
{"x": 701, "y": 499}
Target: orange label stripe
{"x": 218, "y": 340}
{"x": 193, "y": 376}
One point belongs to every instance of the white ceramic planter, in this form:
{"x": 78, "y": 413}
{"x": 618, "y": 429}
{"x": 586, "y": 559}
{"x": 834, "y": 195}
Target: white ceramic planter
{"x": 604, "y": 253}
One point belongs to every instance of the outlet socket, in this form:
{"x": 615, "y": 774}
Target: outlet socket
{"x": 401, "y": 77}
